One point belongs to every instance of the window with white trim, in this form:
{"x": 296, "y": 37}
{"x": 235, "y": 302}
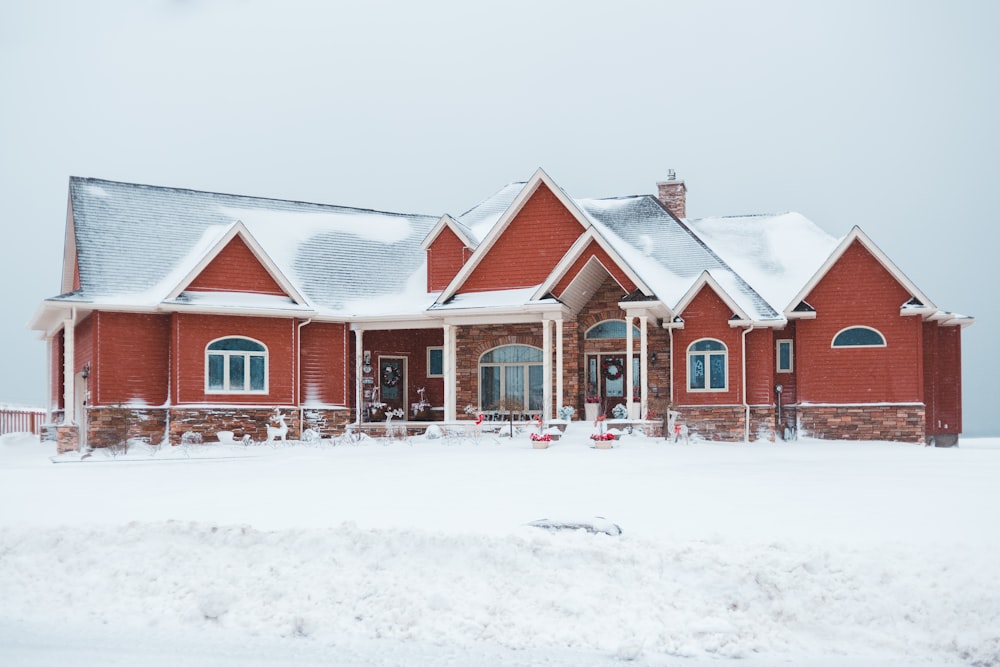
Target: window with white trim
{"x": 435, "y": 362}
{"x": 708, "y": 362}
{"x": 858, "y": 336}
{"x": 235, "y": 365}
{"x": 784, "y": 356}
{"x": 511, "y": 376}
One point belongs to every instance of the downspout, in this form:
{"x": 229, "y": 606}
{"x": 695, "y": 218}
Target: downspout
{"x": 670, "y": 380}
{"x": 298, "y": 372}
{"x": 746, "y": 403}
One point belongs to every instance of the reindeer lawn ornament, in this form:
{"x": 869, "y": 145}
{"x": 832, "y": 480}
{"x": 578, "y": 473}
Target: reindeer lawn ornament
{"x": 277, "y": 428}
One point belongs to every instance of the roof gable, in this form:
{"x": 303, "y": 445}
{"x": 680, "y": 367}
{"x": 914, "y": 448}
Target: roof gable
{"x": 856, "y": 235}
{"x": 533, "y": 234}
{"x": 236, "y": 268}
{"x": 707, "y": 280}
{"x": 218, "y": 270}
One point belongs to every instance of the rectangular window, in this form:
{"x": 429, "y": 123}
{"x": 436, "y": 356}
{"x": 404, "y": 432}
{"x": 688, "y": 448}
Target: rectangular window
{"x": 696, "y": 373}
{"x": 784, "y": 356}
{"x": 435, "y": 362}
{"x": 489, "y": 387}
{"x": 718, "y": 376}
{"x": 216, "y": 372}
{"x": 237, "y": 364}
{"x": 256, "y": 373}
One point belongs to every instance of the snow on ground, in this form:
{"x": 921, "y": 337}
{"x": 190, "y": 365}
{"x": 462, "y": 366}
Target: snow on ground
{"x": 419, "y": 552}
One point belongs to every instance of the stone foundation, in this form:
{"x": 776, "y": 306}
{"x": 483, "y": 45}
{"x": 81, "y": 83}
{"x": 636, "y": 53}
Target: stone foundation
{"x": 903, "y": 423}
{"x": 241, "y": 421}
{"x": 111, "y": 426}
{"x": 326, "y": 421}
{"x": 713, "y": 422}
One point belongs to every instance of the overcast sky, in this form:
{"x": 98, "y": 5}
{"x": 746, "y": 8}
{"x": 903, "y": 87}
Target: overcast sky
{"x": 878, "y": 114}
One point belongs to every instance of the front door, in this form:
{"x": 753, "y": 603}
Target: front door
{"x": 392, "y": 382}
{"x": 606, "y": 379}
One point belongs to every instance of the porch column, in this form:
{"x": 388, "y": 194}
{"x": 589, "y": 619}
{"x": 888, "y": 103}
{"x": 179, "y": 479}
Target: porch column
{"x": 359, "y": 387}
{"x": 69, "y": 376}
{"x": 629, "y": 375}
{"x": 560, "y": 399}
{"x": 547, "y": 369}
{"x": 643, "y": 366}
{"x": 450, "y": 379}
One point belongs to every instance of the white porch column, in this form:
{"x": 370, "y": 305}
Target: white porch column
{"x": 450, "y": 379}
{"x": 629, "y": 375}
{"x": 359, "y": 386}
{"x": 643, "y": 366}
{"x": 560, "y": 399}
{"x": 547, "y": 369}
{"x": 69, "y": 376}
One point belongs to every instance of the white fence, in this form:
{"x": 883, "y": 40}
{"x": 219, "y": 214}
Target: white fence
{"x": 21, "y": 420}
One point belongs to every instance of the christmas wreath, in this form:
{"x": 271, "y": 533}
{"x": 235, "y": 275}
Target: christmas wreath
{"x": 612, "y": 368}
{"x": 390, "y": 376}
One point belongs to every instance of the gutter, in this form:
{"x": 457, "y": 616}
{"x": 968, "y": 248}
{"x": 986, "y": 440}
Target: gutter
{"x": 746, "y": 403}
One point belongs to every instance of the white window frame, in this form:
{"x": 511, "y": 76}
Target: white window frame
{"x": 706, "y": 354}
{"x": 226, "y": 357}
{"x": 791, "y": 355}
{"x": 884, "y": 343}
{"x": 429, "y": 350}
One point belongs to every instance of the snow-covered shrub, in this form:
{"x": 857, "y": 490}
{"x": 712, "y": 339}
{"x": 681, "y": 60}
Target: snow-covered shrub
{"x": 192, "y": 438}
{"x": 566, "y": 413}
{"x": 433, "y": 432}
{"x": 310, "y": 436}
{"x": 620, "y": 411}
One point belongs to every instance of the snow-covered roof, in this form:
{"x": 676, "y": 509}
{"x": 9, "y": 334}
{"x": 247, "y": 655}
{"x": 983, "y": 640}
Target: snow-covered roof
{"x": 137, "y": 245}
{"x": 134, "y": 242}
{"x": 776, "y": 254}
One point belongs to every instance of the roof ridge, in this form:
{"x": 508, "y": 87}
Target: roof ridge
{"x": 91, "y": 179}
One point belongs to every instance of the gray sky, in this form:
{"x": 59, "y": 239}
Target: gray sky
{"x": 880, "y": 114}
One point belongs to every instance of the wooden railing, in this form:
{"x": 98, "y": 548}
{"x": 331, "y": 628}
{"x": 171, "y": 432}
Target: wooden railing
{"x": 21, "y": 420}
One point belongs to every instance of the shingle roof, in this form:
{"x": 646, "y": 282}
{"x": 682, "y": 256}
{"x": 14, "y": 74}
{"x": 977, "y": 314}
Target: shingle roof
{"x": 135, "y": 241}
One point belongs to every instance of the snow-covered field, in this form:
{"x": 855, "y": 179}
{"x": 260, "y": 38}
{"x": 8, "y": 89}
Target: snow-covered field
{"x": 419, "y": 552}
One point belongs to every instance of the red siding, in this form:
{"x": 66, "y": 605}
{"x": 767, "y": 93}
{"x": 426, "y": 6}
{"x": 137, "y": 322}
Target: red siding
{"x": 594, "y": 250}
{"x": 760, "y": 367}
{"x": 235, "y": 269}
{"x": 132, "y": 358}
{"x": 192, "y": 333}
{"x": 788, "y": 381}
{"x": 530, "y": 247}
{"x": 445, "y": 258}
{"x": 858, "y": 291}
{"x": 707, "y": 317}
{"x": 943, "y": 378}
{"x": 326, "y": 360}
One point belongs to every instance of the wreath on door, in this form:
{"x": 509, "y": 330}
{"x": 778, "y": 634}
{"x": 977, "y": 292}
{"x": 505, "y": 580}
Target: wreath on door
{"x": 612, "y": 367}
{"x": 390, "y": 376}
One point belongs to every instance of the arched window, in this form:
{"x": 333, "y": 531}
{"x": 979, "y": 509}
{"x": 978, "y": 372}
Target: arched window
{"x": 235, "y": 365}
{"x": 512, "y": 376}
{"x": 610, "y": 329}
{"x": 858, "y": 337}
{"x": 707, "y": 365}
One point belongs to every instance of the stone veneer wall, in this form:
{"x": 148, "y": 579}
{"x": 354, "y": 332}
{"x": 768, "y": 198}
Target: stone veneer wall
{"x": 240, "y": 420}
{"x": 904, "y": 423}
{"x": 109, "y": 426}
{"x": 325, "y": 421}
{"x": 713, "y": 422}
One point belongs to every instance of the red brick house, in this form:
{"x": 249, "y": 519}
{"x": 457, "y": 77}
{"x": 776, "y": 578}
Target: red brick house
{"x": 185, "y": 311}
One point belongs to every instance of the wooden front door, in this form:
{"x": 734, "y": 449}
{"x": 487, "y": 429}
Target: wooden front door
{"x": 606, "y": 379}
{"x": 392, "y": 382}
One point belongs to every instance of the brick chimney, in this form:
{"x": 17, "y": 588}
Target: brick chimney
{"x": 671, "y": 194}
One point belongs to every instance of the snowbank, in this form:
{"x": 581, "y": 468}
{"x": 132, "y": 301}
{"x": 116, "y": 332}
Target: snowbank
{"x": 421, "y": 553}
